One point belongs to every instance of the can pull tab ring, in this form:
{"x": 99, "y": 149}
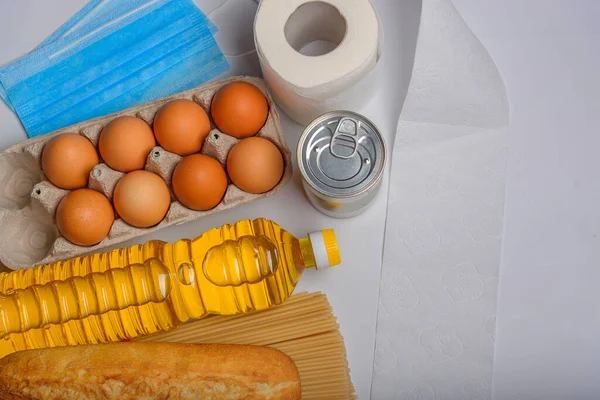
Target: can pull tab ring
{"x": 344, "y": 143}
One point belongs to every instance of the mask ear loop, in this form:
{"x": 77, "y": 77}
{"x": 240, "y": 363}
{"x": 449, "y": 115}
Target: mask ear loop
{"x": 241, "y": 55}
{"x": 234, "y": 56}
{"x": 222, "y": 4}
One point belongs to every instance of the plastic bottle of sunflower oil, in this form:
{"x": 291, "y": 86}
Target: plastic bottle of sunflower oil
{"x": 143, "y": 289}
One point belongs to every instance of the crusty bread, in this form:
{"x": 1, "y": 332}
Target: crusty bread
{"x": 146, "y": 370}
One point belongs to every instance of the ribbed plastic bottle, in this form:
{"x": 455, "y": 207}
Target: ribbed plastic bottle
{"x": 143, "y": 289}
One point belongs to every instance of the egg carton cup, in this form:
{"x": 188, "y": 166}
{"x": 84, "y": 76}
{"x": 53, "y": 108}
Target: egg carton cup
{"x": 28, "y": 201}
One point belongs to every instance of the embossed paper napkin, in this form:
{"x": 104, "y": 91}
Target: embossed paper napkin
{"x": 437, "y": 301}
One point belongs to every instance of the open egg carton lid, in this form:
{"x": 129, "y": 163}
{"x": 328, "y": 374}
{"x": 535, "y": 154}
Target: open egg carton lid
{"x": 28, "y": 201}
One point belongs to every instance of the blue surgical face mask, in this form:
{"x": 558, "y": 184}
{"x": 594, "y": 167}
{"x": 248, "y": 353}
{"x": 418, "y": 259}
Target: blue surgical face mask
{"x": 93, "y": 16}
{"x": 150, "y": 49}
{"x": 97, "y": 13}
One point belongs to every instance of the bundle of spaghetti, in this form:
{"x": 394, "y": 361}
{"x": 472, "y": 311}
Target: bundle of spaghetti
{"x": 303, "y": 327}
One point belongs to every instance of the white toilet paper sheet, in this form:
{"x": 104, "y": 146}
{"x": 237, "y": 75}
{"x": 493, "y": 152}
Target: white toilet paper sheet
{"x": 437, "y": 301}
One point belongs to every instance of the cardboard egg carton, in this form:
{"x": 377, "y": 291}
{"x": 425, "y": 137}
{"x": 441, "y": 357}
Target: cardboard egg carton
{"x": 28, "y": 201}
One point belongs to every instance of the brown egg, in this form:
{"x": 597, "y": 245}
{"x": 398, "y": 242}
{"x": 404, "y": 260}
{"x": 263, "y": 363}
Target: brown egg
{"x": 68, "y": 159}
{"x": 84, "y": 217}
{"x": 142, "y": 198}
{"x": 125, "y": 143}
{"x": 239, "y": 109}
{"x": 255, "y": 165}
{"x": 180, "y": 126}
{"x": 199, "y": 182}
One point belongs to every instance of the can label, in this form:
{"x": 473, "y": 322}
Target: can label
{"x": 341, "y": 156}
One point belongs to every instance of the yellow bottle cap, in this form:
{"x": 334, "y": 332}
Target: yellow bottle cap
{"x": 325, "y": 248}
{"x": 331, "y": 246}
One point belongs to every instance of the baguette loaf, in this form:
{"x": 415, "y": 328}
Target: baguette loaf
{"x": 146, "y": 370}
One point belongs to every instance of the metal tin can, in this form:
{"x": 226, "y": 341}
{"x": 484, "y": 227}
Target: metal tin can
{"x": 341, "y": 156}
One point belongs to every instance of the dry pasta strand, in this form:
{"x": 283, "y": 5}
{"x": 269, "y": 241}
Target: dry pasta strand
{"x": 303, "y": 327}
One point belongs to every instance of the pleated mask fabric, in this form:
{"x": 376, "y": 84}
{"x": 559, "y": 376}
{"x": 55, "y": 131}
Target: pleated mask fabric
{"x": 97, "y": 13}
{"x": 112, "y": 55}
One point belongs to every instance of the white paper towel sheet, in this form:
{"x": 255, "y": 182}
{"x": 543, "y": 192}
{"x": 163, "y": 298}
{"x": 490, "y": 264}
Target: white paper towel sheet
{"x": 437, "y": 301}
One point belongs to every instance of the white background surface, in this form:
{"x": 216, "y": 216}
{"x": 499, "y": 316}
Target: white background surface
{"x": 548, "y": 316}
{"x": 548, "y": 320}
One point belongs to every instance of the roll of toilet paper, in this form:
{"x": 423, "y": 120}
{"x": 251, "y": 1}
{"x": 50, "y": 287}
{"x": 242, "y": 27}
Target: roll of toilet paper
{"x": 307, "y": 85}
